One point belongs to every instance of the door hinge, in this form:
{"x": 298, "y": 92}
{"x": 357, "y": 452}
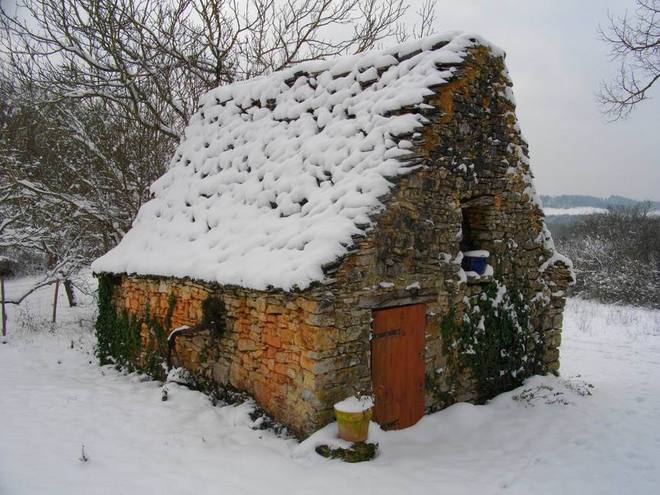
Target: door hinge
{"x": 388, "y": 333}
{"x": 390, "y": 425}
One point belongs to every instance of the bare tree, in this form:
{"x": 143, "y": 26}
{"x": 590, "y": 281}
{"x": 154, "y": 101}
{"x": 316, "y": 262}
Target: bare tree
{"x": 154, "y": 58}
{"x": 634, "y": 42}
{"x": 425, "y": 25}
{"x": 74, "y": 175}
{"x": 94, "y": 96}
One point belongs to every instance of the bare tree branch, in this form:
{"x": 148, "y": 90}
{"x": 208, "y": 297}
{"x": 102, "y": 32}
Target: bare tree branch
{"x": 634, "y": 42}
{"x": 154, "y": 59}
{"x": 95, "y": 95}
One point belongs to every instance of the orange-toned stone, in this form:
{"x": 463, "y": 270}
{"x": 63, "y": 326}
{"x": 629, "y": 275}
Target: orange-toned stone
{"x": 281, "y": 368}
{"x": 307, "y": 305}
{"x": 273, "y": 340}
{"x": 287, "y": 335}
{"x": 246, "y": 345}
{"x": 308, "y": 363}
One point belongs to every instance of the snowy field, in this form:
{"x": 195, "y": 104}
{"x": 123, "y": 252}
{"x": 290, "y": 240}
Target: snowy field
{"x": 583, "y": 210}
{"x": 578, "y": 210}
{"x": 549, "y": 436}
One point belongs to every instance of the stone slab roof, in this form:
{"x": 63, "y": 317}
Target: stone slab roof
{"x": 277, "y": 175}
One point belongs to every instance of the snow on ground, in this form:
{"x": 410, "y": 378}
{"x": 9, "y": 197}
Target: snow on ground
{"x": 578, "y": 210}
{"x": 548, "y": 436}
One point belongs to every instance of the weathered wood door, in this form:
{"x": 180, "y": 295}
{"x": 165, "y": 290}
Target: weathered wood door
{"x": 397, "y": 365}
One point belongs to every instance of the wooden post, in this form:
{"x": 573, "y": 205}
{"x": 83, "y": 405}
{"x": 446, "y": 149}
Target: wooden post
{"x": 4, "y": 315}
{"x": 57, "y": 289}
{"x": 70, "y": 294}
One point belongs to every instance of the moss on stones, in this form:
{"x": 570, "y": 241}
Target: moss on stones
{"x": 359, "y": 452}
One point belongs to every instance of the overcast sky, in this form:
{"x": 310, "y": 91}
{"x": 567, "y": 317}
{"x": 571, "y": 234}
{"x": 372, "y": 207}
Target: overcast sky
{"x": 557, "y": 62}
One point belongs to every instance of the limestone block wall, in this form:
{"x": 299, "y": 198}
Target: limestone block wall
{"x": 272, "y": 348}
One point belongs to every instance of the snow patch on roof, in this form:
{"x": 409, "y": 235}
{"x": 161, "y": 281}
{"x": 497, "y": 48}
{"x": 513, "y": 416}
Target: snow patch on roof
{"x": 278, "y": 174}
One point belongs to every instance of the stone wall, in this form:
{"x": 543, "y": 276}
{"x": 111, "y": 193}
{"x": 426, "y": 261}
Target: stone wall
{"x": 271, "y": 348}
{"x": 299, "y": 353}
{"x": 471, "y": 155}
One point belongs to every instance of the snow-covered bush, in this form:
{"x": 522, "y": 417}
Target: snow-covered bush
{"x": 616, "y": 256}
{"x": 28, "y": 322}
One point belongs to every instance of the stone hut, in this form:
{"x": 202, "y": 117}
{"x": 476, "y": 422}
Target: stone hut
{"x": 308, "y": 240}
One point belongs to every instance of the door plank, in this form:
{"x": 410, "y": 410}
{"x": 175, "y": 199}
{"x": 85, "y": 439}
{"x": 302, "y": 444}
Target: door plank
{"x": 397, "y": 361}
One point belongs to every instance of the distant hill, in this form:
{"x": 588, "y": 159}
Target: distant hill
{"x": 578, "y": 200}
{"x": 570, "y": 208}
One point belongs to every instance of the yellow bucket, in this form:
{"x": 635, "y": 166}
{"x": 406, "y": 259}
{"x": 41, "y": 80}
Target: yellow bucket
{"x": 353, "y": 426}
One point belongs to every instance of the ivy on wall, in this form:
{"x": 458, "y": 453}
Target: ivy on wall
{"x": 214, "y": 314}
{"x": 118, "y": 338}
{"x": 154, "y": 357}
{"x": 118, "y": 335}
{"x": 493, "y": 342}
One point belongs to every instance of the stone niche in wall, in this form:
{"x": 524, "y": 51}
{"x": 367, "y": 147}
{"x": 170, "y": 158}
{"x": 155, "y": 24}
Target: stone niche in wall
{"x": 479, "y": 222}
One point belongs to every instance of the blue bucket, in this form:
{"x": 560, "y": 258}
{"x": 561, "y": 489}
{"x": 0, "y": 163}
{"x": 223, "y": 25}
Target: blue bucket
{"x": 475, "y": 261}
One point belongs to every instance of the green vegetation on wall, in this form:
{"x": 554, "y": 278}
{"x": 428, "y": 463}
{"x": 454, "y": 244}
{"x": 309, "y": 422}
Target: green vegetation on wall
{"x": 118, "y": 338}
{"x": 154, "y": 358}
{"x": 214, "y": 313}
{"x": 493, "y": 341}
{"x": 118, "y": 335}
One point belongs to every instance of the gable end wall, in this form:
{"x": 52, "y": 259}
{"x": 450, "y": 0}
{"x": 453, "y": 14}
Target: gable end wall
{"x": 471, "y": 154}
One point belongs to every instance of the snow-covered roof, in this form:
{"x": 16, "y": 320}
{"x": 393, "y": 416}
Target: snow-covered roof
{"x": 276, "y": 175}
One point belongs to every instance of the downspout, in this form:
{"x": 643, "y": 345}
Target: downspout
{"x": 183, "y": 330}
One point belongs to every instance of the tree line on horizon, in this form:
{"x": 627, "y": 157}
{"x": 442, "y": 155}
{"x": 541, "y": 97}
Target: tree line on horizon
{"x": 584, "y": 200}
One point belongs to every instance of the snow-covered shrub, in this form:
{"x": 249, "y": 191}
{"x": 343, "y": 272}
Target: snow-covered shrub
{"x": 616, "y": 256}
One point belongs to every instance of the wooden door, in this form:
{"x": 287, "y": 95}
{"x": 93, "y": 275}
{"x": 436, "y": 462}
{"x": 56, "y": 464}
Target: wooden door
{"x": 397, "y": 365}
